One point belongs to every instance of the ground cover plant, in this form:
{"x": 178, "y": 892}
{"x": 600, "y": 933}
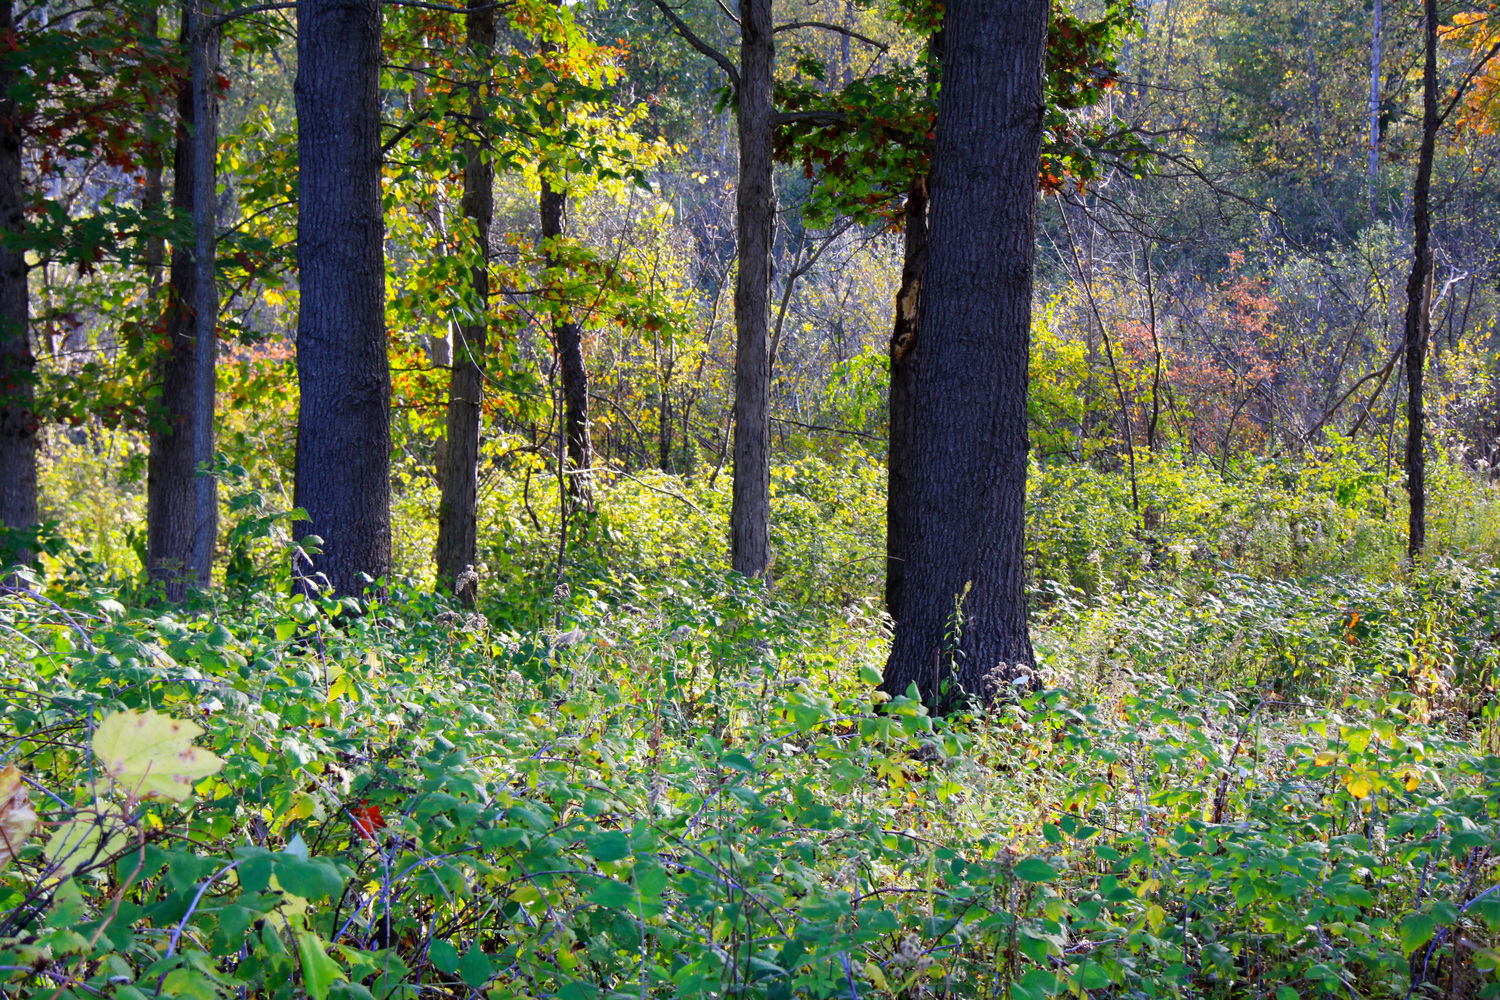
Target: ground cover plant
{"x": 649, "y": 784}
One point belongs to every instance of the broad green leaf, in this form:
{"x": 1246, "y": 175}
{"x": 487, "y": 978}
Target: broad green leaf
{"x": 318, "y": 970}
{"x": 474, "y": 968}
{"x": 1035, "y": 870}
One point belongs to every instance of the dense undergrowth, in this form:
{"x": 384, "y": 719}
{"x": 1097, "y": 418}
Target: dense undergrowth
{"x": 653, "y": 779}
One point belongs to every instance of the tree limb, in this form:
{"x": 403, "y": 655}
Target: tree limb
{"x": 831, "y": 27}
{"x": 815, "y": 117}
{"x": 233, "y": 15}
{"x": 692, "y": 39}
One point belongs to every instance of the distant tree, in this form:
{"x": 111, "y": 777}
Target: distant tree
{"x": 18, "y": 422}
{"x": 753, "y": 87}
{"x": 963, "y": 613}
{"x": 457, "y": 544}
{"x": 343, "y": 424}
{"x": 181, "y": 505}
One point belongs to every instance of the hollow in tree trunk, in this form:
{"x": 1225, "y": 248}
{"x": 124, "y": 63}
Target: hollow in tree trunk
{"x": 343, "y": 424}
{"x": 962, "y": 626}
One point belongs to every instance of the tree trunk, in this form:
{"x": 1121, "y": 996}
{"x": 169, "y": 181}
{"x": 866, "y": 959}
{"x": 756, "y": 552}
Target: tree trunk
{"x": 575, "y": 378}
{"x": 1374, "y": 168}
{"x": 962, "y": 627}
{"x": 902, "y": 395}
{"x": 343, "y": 425}
{"x": 1416, "y": 295}
{"x": 904, "y": 371}
{"x": 153, "y": 247}
{"x": 458, "y": 514}
{"x": 750, "y": 509}
{"x": 18, "y": 422}
{"x": 181, "y": 506}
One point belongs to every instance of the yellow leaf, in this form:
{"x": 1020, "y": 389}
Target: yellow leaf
{"x": 1413, "y": 779}
{"x": 1325, "y": 758}
{"x": 875, "y": 976}
{"x": 151, "y": 755}
{"x": 1359, "y": 787}
{"x": 1155, "y": 916}
{"x": 17, "y": 818}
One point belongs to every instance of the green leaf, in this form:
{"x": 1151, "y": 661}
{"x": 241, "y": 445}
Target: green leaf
{"x": 611, "y": 846}
{"x": 612, "y": 894}
{"x": 1286, "y": 993}
{"x": 474, "y": 968}
{"x": 318, "y": 970}
{"x": 444, "y": 956}
{"x": 1035, "y": 870}
{"x": 1416, "y": 930}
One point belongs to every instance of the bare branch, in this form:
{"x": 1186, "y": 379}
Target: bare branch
{"x": 699, "y": 44}
{"x": 815, "y": 117}
{"x": 234, "y": 15}
{"x": 832, "y": 27}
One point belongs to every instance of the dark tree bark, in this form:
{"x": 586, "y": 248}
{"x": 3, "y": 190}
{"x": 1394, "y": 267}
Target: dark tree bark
{"x": 343, "y": 425}
{"x": 18, "y": 422}
{"x": 575, "y": 378}
{"x": 750, "y": 509}
{"x": 458, "y": 513}
{"x": 904, "y": 372}
{"x": 1416, "y": 295}
{"x": 968, "y": 484}
{"x": 182, "y": 506}
{"x": 902, "y": 396}
{"x": 153, "y": 247}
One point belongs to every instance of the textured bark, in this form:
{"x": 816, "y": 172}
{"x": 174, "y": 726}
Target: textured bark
{"x": 458, "y": 514}
{"x": 902, "y": 396}
{"x": 1375, "y": 45}
{"x": 18, "y": 423}
{"x": 575, "y": 384}
{"x": 181, "y": 506}
{"x": 903, "y": 350}
{"x": 343, "y": 425}
{"x": 750, "y": 509}
{"x": 153, "y": 247}
{"x": 968, "y": 485}
{"x": 1416, "y": 295}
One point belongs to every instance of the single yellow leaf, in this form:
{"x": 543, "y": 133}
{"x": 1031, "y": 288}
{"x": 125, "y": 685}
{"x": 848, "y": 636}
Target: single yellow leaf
{"x": 1359, "y": 787}
{"x": 1413, "y": 779}
{"x": 17, "y": 818}
{"x": 874, "y": 974}
{"x": 1325, "y": 758}
{"x": 151, "y": 755}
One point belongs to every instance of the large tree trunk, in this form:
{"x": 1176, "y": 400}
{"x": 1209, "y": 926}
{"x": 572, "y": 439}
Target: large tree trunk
{"x": 344, "y": 423}
{"x": 750, "y": 509}
{"x": 903, "y": 350}
{"x": 963, "y": 612}
{"x": 902, "y": 396}
{"x": 1416, "y": 296}
{"x": 18, "y": 423}
{"x": 458, "y": 514}
{"x": 181, "y": 506}
{"x": 575, "y": 384}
